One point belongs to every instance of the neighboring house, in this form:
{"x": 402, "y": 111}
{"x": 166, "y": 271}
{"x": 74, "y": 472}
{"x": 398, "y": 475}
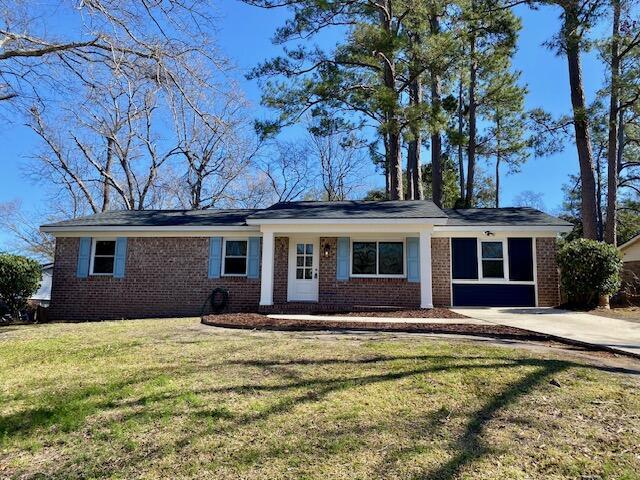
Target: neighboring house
{"x": 303, "y": 256}
{"x": 631, "y": 258}
{"x": 43, "y": 296}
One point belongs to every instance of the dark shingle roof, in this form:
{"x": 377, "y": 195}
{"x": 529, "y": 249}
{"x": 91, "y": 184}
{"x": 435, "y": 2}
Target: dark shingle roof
{"x": 350, "y": 209}
{"x": 160, "y": 218}
{"x": 510, "y": 216}
{"x": 356, "y": 210}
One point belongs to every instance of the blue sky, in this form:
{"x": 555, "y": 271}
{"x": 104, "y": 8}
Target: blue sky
{"x": 244, "y": 36}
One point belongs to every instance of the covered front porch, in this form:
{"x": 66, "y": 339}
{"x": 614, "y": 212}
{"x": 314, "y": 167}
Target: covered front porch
{"x": 332, "y": 267}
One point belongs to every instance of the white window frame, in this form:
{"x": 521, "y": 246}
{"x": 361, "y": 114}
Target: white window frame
{"x": 224, "y": 257}
{"x": 505, "y": 260}
{"x": 94, "y": 242}
{"x": 377, "y": 242}
{"x": 505, "y": 256}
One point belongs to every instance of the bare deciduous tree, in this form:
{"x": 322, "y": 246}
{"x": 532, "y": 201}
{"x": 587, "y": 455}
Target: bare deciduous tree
{"x": 25, "y": 231}
{"x": 157, "y": 38}
{"x": 341, "y": 165}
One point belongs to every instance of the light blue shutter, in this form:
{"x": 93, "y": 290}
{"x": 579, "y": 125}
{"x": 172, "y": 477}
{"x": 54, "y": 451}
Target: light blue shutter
{"x": 215, "y": 256}
{"x": 121, "y": 257}
{"x": 84, "y": 257}
{"x": 253, "y": 260}
{"x": 413, "y": 259}
{"x": 342, "y": 255}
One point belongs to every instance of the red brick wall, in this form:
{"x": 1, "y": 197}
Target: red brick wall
{"x": 397, "y": 292}
{"x": 164, "y": 277}
{"x": 441, "y": 271}
{"x": 280, "y": 270}
{"x": 547, "y": 272}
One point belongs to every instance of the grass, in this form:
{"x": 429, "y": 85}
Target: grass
{"x": 175, "y": 399}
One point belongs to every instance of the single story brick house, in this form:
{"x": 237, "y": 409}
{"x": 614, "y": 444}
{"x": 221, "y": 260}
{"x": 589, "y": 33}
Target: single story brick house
{"x": 303, "y": 256}
{"x": 631, "y": 259}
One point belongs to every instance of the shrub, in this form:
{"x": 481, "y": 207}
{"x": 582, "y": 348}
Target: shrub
{"x": 589, "y": 270}
{"x": 19, "y": 279}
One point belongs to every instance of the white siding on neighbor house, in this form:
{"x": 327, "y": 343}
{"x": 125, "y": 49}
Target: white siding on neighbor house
{"x": 632, "y": 252}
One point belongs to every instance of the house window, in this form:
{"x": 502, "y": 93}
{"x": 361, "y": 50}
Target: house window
{"x": 377, "y": 259}
{"x": 492, "y": 260}
{"x": 103, "y": 256}
{"x": 235, "y": 257}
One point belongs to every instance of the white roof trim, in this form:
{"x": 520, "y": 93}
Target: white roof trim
{"x": 504, "y": 228}
{"x": 349, "y": 221}
{"x": 629, "y": 243}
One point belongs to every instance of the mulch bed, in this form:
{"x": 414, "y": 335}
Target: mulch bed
{"x": 418, "y": 313}
{"x": 256, "y": 321}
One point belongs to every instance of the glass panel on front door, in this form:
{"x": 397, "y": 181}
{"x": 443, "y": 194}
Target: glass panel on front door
{"x": 304, "y": 261}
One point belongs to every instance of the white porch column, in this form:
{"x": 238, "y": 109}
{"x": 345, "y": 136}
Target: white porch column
{"x": 426, "y": 294}
{"x": 266, "y": 274}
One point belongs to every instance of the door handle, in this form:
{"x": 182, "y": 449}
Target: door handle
{"x": 315, "y": 273}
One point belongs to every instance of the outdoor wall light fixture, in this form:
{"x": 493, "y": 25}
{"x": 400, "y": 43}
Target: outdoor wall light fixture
{"x": 327, "y": 250}
{"x": 489, "y": 233}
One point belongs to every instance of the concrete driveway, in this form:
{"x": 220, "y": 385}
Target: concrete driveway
{"x": 582, "y": 327}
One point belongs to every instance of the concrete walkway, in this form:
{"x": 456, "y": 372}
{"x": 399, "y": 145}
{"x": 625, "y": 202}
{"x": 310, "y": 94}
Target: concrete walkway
{"x": 582, "y": 327}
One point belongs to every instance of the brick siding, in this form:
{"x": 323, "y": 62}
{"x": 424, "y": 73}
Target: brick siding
{"x": 397, "y": 292}
{"x": 165, "y": 277}
{"x": 168, "y": 277}
{"x": 441, "y": 271}
{"x": 547, "y": 270}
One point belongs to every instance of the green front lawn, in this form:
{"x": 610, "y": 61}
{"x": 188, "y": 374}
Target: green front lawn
{"x": 172, "y": 398}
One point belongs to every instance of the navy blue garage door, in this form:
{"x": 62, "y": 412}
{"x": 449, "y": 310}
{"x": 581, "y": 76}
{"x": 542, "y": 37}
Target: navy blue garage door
{"x": 483, "y": 295}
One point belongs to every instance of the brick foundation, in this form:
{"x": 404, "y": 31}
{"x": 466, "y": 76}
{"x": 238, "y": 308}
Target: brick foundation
{"x": 547, "y": 272}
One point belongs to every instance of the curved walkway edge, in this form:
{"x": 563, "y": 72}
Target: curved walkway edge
{"x": 618, "y": 336}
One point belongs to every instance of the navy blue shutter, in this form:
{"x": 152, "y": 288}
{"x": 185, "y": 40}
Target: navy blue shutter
{"x": 253, "y": 260}
{"x": 215, "y": 256}
{"x": 84, "y": 257}
{"x": 413, "y": 259}
{"x": 342, "y": 255}
{"x": 120, "y": 259}
{"x": 520, "y": 259}
{"x": 464, "y": 258}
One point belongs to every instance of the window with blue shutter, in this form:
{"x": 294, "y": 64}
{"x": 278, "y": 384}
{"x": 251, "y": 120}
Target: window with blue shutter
{"x": 413, "y": 259}
{"x": 84, "y": 257}
{"x": 342, "y": 258}
{"x": 253, "y": 262}
{"x": 121, "y": 257}
{"x": 215, "y": 256}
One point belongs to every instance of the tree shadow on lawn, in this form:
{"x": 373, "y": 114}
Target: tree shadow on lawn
{"x": 78, "y": 405}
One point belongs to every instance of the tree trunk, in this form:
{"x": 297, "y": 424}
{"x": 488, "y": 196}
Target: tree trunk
{"x": 498, "y": 158}
{"x": 106, "y": 187}
{"x": 498, "y": 180}
{"x": 436, "y": 141}
{"x": 393, "y": 125}
{"x": 395, "y": 158}
{"x": 471, "y": 147}
{"x": 414, "y": 183}
{"x": 460, "y": 133}
{"x": 599, "y": 196}
{"x": 580, "y": 121}
{"x": 612, "y": 149}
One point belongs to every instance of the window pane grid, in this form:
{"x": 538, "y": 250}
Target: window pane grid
{"x": 304, "y": 261}
{"x": 377, "y": 258}
{"x": 104, "y": 253}
{"x": 235, "y": 257}
{"x": 492, "y": 259}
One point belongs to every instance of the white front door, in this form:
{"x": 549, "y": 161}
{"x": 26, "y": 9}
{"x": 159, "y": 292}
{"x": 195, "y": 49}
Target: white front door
{"x": 303, "y": 270}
